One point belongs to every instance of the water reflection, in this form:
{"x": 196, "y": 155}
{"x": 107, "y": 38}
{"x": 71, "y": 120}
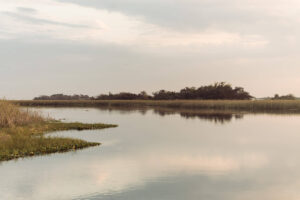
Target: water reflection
{"x": 219, "y": 117}
{"x": 164, "y": 158}
{"x": 216, "y": 117}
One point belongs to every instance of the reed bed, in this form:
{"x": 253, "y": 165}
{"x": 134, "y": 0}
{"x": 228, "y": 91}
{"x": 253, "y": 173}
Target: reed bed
{"x": 11, "y": 115}
{"x": 235, "y": 105}
{"x": 22, "y": 133}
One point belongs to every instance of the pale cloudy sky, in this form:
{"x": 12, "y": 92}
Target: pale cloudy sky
{"x": 97, "y": 46}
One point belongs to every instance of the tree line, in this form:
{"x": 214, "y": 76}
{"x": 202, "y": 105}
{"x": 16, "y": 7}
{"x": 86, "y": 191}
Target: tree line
{"x": 63, "y": 97}
{"x": 284, "y": 97}
{"x": 220, "y": 90}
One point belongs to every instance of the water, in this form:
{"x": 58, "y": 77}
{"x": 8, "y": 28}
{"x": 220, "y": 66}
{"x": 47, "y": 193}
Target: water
{"x": 164, "y": 155}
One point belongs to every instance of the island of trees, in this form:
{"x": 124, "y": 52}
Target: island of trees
{"x": 284, "y": 97}
{"x": 220, "y": 91}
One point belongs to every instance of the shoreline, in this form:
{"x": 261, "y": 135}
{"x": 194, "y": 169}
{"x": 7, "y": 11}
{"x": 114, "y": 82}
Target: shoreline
{"x": 265, "y": 106}
{"x": 25, "y": 141}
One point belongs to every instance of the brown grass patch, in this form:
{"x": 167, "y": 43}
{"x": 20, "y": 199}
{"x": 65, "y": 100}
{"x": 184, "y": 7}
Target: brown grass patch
{"x": 11, "y": 115}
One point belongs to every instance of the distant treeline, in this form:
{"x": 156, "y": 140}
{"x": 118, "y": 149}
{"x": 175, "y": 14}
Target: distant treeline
{"x": 63, "y": 97}
{"x": 284, "y": 97}
{"x": 215, "y": 91}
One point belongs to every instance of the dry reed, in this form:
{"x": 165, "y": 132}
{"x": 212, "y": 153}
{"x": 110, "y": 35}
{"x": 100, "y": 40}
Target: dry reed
{"x": 11, "y": 115}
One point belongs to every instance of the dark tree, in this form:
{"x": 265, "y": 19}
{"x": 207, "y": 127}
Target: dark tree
{"x": 284, "y": 97}
{"x": 220, "y": 90}
{"x": 63, "y": 97}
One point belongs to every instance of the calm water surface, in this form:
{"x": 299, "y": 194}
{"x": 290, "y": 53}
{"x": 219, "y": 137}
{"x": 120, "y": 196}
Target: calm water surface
{"x": 158, "y": 155}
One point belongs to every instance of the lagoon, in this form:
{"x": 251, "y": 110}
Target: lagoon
{"x": 164, "y": 155}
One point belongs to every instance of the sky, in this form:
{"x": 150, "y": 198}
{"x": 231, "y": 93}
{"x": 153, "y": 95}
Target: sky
{"x": 100, "y": 46}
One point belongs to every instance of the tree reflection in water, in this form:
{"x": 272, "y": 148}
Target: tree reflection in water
{"x": 219, "y": 117}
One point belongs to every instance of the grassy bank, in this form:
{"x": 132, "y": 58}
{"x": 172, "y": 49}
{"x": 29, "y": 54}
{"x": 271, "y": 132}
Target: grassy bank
{"x": 235, "y": 105}
{"x": 22, "y": 133}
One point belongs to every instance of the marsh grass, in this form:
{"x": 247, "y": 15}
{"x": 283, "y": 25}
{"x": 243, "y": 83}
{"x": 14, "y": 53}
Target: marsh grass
{"x": 285, "y": 106}
{"x": 22, "y": 133}
{"x": 11, "y": 115}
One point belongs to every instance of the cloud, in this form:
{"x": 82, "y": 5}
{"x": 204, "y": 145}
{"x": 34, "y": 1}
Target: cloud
{"x": 198, "y": 15}
{"x": 97, "y": 26}
{"x": 177, "y": 43}
{"x": 53, "y": 20}
{"x": 26, "y": 10}
{"x": 34, "y": 20}
{"x": 176, "y": 14}
{"x": 273, "y": 20}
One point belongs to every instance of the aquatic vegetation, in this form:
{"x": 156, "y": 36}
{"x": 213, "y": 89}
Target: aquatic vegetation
{"x": 22, "y": 133}
{"x": 234, "y": 105}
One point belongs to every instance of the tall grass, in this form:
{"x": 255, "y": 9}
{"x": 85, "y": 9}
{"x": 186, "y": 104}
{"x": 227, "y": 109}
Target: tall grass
{"x": 236, "y": 105}
{"x": 11, "y": 115}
